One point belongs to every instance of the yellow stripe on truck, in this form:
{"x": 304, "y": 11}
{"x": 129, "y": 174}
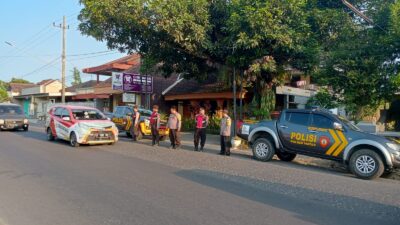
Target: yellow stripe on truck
{"x": 336, "y": 143}
{"x": 342, "y": 146}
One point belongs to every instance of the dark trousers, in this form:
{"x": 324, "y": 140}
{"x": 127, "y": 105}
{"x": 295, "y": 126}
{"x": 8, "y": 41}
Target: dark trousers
{"x": 200, "y": 137}
{"x": 174, "y": 137}
{"x": 155, "y": 136}
{"x": 225, "y": 145}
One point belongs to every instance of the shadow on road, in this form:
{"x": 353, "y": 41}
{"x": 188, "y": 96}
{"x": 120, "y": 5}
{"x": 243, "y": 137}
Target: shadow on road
{"x": 308, "y": 205}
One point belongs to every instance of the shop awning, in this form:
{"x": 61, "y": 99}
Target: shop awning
{"x": 118, "y": 65}
{"x": 196, "y": 96}
{"x": 90, "y": 96}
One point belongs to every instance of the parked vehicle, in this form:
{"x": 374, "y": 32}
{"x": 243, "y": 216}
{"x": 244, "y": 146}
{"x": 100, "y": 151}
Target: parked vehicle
{"x": 319, "y": 133}
{"x": 12, "y": 117}
{"x": 122, "y": 117}
{"x": 80, "y": 125}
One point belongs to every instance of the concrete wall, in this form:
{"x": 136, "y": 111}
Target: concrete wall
{"x": 54, "y": 87}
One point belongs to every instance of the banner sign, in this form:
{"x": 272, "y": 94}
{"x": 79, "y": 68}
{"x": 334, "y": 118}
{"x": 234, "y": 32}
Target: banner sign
{"x": 137, "y": 83}
{"x": 129, "y": 98}
{"x": 117, "y": 83}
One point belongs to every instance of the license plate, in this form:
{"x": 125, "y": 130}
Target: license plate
{"x": 245, "y": 129}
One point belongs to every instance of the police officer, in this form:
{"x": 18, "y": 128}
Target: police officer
{"x": 202, "y": 121}
{"x": 155, "y": 125}
{"x": 135, "y": 123}
{"x": 174, "y": 124}
{"x": 225, "y": 133}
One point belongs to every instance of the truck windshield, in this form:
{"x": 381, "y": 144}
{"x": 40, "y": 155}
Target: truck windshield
{"x": 10, "y": 110}
{"x": 88, "y": 114}
{"x": 349, "y": 124}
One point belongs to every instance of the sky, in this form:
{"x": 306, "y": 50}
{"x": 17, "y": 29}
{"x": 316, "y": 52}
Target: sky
{"x": 30, "y": 46}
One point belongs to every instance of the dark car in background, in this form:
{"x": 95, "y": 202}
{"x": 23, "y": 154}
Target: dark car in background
{"x": 12, "y": 117}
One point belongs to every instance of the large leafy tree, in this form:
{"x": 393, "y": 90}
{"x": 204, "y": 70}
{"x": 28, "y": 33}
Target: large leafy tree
{"x": 3, "y": 95}
{"x": 19, "y": 80}
{"x": 359, "y": 60}
{"x": 204, "y": 38}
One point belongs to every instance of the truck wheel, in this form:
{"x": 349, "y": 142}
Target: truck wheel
{"x": 263, "y": 150}
{"x": 50, "y": 136}
{"x": 286, "y": 156}
{"x": 73, "y": 140}
{"x": 163, "y": 138}
{"x": 366, "y": 164}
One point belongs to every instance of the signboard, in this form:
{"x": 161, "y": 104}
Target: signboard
{"x": 129, "y": 97}
{"x": 137, "y": 83}
{"x": 117, "y": 83}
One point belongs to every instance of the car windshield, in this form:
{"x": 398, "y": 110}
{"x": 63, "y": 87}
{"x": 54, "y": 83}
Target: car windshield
{"x": 10, "y": 110}
{"x": 349, "y": 124}
{"x": 88, "y": 114}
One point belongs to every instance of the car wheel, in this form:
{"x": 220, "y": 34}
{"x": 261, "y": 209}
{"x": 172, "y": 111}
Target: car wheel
{"x": 73, "y": 140}
{"x": 366, "y": 164}
{"x": 263, "y": 149}
{"x": 25, "y": 128}
{"x": 286, "y": 156}
{"x": 50, "y": 136}
{"x": 163, "y": 138}
{"x": 128, "y": 134}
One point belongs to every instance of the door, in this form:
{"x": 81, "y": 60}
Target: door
{"x": 118, "y": 118}
{"x": 331, "y": 142}
{"x": 26, "y": 107}
{"x": 61, "y": 123}
{"x": 293, "y": 131}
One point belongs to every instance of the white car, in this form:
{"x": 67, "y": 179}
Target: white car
{"x": 80, "y": 125}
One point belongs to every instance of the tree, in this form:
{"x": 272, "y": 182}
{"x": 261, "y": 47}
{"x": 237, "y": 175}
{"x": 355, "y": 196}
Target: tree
{"x": 324, "y": 99}
{"x": 3, "y": 95}
{"x": 359, "y": 60}
{"x": 19, "y": 80}
{"x": 210, "y": 38}
{"x": 76, "y": 76}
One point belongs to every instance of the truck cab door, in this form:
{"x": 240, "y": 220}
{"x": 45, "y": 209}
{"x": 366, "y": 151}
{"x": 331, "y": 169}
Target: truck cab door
{"x": 293, "y": 131}
{"x": 331, "y": 141}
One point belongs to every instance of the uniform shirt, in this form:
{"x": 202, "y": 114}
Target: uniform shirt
{"x": 174, "y": 121}
{"x": 201, "y": 121}
{"x": 155, "y": 119}
{"x": 226, "y": 124}
{"x": 135, "y": 118}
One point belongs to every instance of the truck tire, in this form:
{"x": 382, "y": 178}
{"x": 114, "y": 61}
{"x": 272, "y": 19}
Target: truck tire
{"x": 163, "y": 138}
{"x": 73, "y": 140}
{"x": 286, "y": 156}
{"x": 263, "y": 150}
{"x": 366, "y": 164}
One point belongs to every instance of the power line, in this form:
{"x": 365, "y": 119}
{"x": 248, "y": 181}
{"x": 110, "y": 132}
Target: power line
{"x": 47, "y": 65}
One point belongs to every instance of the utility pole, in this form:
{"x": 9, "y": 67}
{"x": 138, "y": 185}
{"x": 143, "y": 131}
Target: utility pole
{"x": 64, "y": 27}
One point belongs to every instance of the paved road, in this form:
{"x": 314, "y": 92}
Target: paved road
{"x": 50, "y": 183}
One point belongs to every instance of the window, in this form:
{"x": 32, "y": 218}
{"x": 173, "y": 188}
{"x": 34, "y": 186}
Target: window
{"x": 128, "y": 110}
{"x": 119, "y": 111}
{"x": 10, "y": 110}
{"x": 58, "y": 112}
{"x": 321, "y": 121}
{"x": 88, "y": 114}
{"x": 298, "y": 118}
{"x": 65, "y": 113}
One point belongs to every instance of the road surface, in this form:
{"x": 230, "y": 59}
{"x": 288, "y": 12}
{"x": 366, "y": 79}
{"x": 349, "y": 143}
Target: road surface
{"x": 51, "y": 183}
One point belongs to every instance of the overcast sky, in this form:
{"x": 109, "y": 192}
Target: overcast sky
{"x": 36, "y": 44}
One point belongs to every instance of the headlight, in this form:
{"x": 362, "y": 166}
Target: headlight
{"x": 1, "y": 121}
{"x": 393, "y": 146}
{"x": 26, "y": 121}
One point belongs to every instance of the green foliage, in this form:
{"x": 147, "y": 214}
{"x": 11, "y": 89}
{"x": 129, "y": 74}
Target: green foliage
{"x": 359, "y": 61}
{"x": 3, "y": 95}
{"x": 323, "y": 99}
{"x": 19, "y": 80}
{"x": 76, "y": 76}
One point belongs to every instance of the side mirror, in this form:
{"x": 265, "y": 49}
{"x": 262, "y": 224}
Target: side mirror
{"x": 337, "y": 126}
{"x": 66, "y": 118}
{"x": 109, "y": 119}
